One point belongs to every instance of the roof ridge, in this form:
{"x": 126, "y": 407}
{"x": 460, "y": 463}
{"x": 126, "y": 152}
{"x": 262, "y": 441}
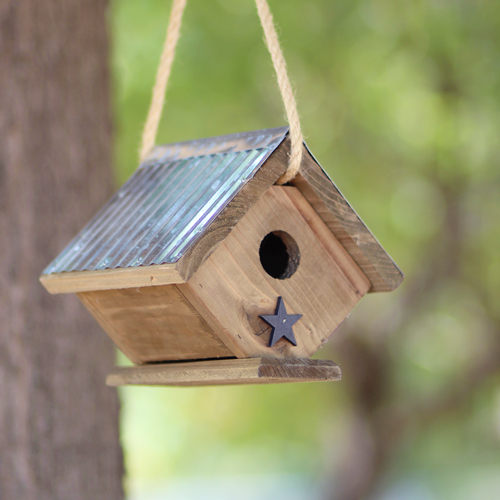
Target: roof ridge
{"x": 231, "y": 143}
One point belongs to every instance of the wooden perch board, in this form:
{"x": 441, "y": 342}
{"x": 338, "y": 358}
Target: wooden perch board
{"x": 228, "y": 372}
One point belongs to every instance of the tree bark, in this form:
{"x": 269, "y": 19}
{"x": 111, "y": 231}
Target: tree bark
{"x": 58, "y": 421}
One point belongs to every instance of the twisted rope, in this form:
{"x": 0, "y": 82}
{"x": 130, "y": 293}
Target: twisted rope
{"x": 292, "y": 114}
{"x": 162, "y": 76}
{"x": 273, "y": 45}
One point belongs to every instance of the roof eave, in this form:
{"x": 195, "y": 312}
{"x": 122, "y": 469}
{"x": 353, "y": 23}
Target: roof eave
{"x": 342, "y": 220}
{"x": 111, "y": 279}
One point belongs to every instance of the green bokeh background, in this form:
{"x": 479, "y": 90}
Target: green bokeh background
{"x": 400, "y": 104}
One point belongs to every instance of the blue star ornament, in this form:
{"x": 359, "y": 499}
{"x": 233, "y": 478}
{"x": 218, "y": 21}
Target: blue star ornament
{"x": 282, "y": 323}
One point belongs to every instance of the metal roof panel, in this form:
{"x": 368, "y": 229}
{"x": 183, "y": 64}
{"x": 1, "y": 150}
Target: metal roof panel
{"x": 170, "y": 200}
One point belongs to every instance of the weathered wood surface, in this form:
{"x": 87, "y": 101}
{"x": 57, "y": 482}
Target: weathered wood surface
{"x": 59, "y": 433}
{"x": 345, "y": 262}
{"x": 152, "y": 324}
{"x": 228, "y": 372}
{"x": 231, "y": 290}
{"x": 346, "y": 225}
{"x": 111, "y": 279}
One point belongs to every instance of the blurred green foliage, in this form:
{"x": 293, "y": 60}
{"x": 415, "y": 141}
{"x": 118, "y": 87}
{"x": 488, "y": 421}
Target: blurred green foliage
{"x": 400, "y": 103}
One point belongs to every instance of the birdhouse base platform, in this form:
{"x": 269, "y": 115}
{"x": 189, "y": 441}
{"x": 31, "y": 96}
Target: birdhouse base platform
{"x": 227, "y": 372}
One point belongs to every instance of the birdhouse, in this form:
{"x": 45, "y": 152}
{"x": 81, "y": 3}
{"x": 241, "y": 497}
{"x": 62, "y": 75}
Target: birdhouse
{"x": 202, "y": 270}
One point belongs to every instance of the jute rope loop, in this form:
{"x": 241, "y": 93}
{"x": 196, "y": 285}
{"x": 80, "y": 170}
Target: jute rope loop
{"x": 162, "y": 76}
{"x": 272, "y": 42}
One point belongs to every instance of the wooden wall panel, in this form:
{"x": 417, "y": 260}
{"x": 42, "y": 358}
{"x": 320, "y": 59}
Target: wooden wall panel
{"x": 231, "y": 290}
{"x": 152, "y": 324}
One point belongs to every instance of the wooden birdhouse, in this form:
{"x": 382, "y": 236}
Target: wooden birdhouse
{"x": 200, "y": 255}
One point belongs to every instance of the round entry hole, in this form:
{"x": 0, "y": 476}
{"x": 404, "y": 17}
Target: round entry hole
{"x": 279, "y": 255}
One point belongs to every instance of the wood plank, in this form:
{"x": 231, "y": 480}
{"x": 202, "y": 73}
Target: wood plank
{"x": 229, "y": 341}
{"x": 111, "y": 279}
{"x": 154, "y": 324}
{"x": 227, "y": 372}
{"x": 108, "y": 327}
{"x": 235, "y": 289}
{"x": 346, "y": 225}
{"x": 345, "y": 262}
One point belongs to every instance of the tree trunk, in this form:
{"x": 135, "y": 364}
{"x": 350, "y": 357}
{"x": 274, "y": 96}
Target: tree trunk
{"x": 58, "y": 421}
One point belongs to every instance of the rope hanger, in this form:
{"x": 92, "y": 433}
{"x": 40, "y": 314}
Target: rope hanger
{"x": 272, "y": 42}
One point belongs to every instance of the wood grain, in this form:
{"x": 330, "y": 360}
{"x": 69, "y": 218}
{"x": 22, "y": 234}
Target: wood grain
{"x": 329, "y": 203}
{"x": 345, "y": 262}
{"x": 228, "y": 372}
{"x": 235, "y": 290}
{"x": 111, "y": 279}
{"x": 153, "y": 324}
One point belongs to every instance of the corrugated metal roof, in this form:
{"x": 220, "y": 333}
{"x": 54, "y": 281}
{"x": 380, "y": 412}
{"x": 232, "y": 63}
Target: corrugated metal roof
{"x": 168, "y": 202}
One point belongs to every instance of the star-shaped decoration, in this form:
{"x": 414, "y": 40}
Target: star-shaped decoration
{"x": 282, "y": 323}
